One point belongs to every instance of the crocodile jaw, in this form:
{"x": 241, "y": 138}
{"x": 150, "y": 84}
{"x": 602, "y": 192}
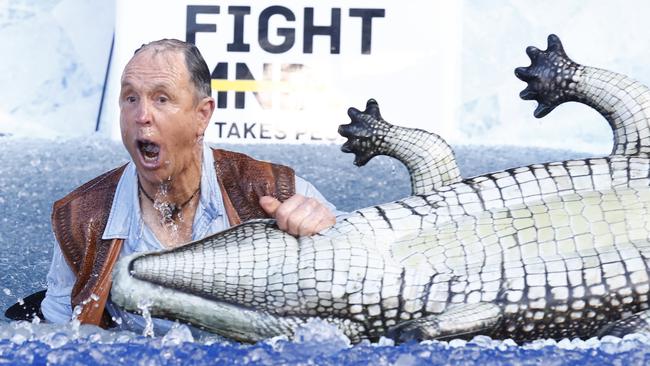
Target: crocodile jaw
{"x": 232, "y": 321}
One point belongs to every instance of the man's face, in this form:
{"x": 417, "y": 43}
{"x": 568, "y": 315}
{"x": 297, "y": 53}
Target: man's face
{"x": 161, "y": 118}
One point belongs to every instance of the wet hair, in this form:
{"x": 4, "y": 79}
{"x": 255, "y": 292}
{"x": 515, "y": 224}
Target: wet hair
{"x": 196, "y": 65}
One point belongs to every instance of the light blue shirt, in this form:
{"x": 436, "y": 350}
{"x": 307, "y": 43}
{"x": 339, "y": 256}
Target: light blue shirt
{"x": 125, "y": 222}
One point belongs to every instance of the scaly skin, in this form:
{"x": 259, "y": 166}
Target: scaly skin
{"x": 428, "y": 158}
{"x": 548, "y": 250}
{"x": 553, "y": 78}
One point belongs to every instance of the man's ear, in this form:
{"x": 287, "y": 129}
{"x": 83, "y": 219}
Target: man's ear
{"x": 205, "y": 108}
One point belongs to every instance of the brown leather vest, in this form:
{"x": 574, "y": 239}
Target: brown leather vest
{"x": 79, "y": 220}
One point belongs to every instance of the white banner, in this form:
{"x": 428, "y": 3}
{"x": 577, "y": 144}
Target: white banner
{"x": 286, "y": 71}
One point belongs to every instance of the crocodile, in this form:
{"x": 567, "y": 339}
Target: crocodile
{"x": 549, "y": 250}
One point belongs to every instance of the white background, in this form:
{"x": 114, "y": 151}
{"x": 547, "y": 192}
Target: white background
{"x": 55, "y": 53}
{"x": 413, "y": 61}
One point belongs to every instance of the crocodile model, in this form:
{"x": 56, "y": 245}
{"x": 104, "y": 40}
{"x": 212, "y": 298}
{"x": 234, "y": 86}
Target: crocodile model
{"x": 548, "y": 250}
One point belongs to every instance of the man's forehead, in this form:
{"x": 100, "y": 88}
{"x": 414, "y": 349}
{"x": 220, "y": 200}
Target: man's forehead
{"x": 150, "y": 62}
{"x": 159, "y": 55}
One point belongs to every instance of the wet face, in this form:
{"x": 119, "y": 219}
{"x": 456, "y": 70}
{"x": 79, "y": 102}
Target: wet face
{"x": 162, "y": 119}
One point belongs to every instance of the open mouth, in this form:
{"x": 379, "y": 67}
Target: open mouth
{"x": 149, "y": 150}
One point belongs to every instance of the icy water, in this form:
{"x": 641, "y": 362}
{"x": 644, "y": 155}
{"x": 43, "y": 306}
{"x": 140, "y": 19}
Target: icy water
{"x": 34, "y": 173}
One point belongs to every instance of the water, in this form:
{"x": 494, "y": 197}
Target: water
{"x": 34, "y": 173}
{"x": 25, "y": 343}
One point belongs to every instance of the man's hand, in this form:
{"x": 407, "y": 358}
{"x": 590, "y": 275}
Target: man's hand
{"x": 299, "y": 215}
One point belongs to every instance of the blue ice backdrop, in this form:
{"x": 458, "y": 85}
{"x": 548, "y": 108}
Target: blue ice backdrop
{"x": 54, "y": 55}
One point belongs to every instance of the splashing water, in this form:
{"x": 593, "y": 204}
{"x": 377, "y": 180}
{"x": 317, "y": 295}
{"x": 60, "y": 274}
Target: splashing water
{"x": 393, "y": 166}
{"x": 75, "y": 324}
{"x": 162, "y": 205}
{"x": 8, "y": 293}
{"x": 143, "y": 306}
{"x": 317, "y": 332}
{"x": 167, "y": 212}
{"x": 177, "y": 335}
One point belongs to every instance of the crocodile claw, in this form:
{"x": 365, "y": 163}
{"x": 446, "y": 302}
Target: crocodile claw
{"x": 533, "y": 52}
{"x": 365, "y": 133}
{"x": 542, "y": 110}
{"x": 551, "y": 77}
{"x": 524, "y": 74}
{"x": 528, "y": 94}
{"x": 555, "y": 45}
{"x": 372, "y": 108}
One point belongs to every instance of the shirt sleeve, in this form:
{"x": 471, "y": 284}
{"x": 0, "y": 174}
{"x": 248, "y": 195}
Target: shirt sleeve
{"x": 60, "y": 279}
{"x": 307, "y": 189}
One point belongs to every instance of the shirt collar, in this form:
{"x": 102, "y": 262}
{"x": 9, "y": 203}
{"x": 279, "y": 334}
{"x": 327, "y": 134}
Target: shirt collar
{"x": 125, "y": 210}
{"x": 211, "y": 202}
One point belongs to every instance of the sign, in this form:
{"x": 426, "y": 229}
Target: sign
{"x": 286, "y": 71}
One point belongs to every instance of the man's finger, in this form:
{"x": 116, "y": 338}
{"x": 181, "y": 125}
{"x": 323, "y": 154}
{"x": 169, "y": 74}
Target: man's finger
{"x": 285, "y": 209}
{"x": 319, "y": 219}
{"x": 325, "y": 223}
{"x": 270, "y": 205}
{"x": 298, "y": 214}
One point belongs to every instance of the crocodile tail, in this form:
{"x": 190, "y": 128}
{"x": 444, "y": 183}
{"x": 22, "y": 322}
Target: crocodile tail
{"x": 550, "y": 77}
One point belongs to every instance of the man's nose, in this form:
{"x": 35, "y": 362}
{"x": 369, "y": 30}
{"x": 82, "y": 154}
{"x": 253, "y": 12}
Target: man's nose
{"x": 143, "y": 114}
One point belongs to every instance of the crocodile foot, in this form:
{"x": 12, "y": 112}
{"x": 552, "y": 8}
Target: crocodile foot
{"x": 551, "y": 77}
{"x": 365, "y": 133}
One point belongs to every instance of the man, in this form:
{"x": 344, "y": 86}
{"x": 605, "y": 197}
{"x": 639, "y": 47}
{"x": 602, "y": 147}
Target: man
{"x": 174, "y": 190}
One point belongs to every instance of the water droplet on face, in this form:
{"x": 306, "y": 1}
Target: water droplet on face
{"x": 147, "y": 131}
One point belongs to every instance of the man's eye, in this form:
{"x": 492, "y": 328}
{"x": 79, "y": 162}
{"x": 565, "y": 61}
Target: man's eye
{"x": 163, "y": 99}
{"x": 130, "y": 99}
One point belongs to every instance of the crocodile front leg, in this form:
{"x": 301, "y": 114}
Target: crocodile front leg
{"x": 636, "y": 323}
{"x": 553, "y": 78}
{"x": 458, "y": 321}
{"x": 428, "y": 158}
